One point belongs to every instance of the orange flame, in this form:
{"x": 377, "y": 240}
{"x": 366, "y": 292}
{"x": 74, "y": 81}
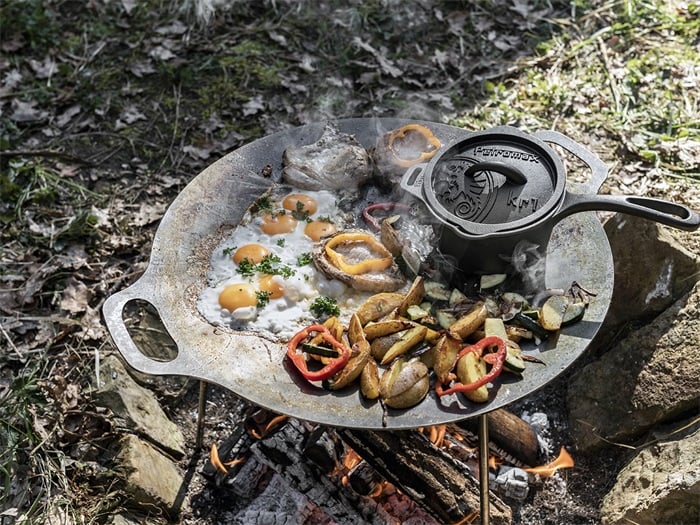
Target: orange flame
{"x": 564, "y": 460}
{"x": 215, "y": 460}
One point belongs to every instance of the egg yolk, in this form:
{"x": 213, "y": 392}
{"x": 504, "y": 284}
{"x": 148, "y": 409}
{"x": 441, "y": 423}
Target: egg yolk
{"x": 300, "y": 202}
{"x": 272, "y": 287}
{"x": 253, "y": 252}
{"x": 238, "y": 295}
{"x": 316, "y": 230}
{"x": 279, "y": 222}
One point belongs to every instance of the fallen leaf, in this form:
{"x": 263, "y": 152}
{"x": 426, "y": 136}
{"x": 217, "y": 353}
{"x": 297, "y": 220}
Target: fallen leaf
{"x": 27, "y": 111}
{"x": 65, "y": 117}
{"x": 75, "y": 297}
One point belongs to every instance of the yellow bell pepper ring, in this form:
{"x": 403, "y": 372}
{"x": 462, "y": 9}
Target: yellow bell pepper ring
{"x": 368, "y": 265}
{"x": 429, "y": 147}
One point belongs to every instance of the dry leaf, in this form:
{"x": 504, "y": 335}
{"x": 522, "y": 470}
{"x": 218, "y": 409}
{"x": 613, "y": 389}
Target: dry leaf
{"x": 76, "y": 297}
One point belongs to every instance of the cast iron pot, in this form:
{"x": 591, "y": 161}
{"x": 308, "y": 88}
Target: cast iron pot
{"x": 502, "y": 190}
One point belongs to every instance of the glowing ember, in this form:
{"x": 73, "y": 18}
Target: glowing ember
{"x": 564, "y": 460}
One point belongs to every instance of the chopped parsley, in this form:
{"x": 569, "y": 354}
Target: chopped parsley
{"x": 304, "y": 259}
{"x": 229, "y": 251}
{"x": 281, "y": 242}
{"x": 270, "y": 264}
{"x": 263, "y": 204}
{"x": 300, "y": 213}
{"x": 324, "y": 306}
{"x": 263, "y": 298}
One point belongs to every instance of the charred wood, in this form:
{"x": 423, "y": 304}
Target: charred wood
{"x": 431, "y": 477}
{"x": 282, "y": 451}
{"x": 363, "y": 478}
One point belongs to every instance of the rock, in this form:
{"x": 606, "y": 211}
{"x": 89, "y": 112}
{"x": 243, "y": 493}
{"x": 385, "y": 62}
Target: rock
{"x": 652, "y": 269}
{"x": 152, "y": 479}
{"x": 651, "y": 376}
{"x": 139, "y": 407}
{"x": 660, "y": 486}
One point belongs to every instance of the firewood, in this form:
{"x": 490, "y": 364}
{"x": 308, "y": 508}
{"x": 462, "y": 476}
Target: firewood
{"x": 431, "y": 477}
{"x": 509, "y": 436}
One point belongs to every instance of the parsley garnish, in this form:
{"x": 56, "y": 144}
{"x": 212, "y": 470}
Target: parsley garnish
{"x": 246, "y": 268}
{"x": 229, "y": 251}
{"x": 304, "y": 259}
{"x": 263, "y": 298}
{"x": 262, "y": 204}
{"x": 300, "y": 213}
{"x": 270, "y": 264}
{"x": 281, "y": 242}
{"x": 324, "y": 305}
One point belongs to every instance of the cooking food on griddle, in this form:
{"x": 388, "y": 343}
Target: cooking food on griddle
{"x": 358, "y": 292}
{"x": 396, "y": 340}
{"x": 337, "y": 161}
{"x": 399, "y": 149}
{"x": 358, "y": 259}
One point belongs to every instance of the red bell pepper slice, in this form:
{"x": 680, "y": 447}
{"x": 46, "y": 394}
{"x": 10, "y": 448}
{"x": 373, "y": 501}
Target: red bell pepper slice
{"x": 383, "y": 206}
{"x": 496, "y": 360}
{"x": 334, "y": 366}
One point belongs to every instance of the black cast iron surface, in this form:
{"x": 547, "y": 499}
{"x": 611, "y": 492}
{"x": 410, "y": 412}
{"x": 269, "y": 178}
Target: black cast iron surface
{"x": 253, "y": 367}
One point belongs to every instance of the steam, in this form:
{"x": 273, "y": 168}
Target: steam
{"x": 529, "y": 262}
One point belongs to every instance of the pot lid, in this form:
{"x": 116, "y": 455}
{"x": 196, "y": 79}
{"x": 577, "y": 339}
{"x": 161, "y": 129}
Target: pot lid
{"x": 494, "y": 181}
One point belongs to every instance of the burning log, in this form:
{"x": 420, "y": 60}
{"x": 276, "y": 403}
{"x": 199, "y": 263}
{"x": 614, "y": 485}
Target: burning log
{"x": 283, "y": 451}
{"x": 510, "y": 437}
{"x": 431, "y": 477}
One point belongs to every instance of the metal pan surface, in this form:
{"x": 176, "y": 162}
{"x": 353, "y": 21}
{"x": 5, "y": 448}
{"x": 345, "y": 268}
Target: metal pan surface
{"x": 253, "y": 367}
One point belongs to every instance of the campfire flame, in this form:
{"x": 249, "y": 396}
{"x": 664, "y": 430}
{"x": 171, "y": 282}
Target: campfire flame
{"x": 564, "y": 460}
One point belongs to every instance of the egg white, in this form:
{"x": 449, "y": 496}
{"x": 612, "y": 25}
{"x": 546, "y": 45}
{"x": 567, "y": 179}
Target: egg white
{"x": 282, "y": 317}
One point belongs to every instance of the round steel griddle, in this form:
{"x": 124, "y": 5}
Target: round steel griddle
{"x": 253, "y": 367}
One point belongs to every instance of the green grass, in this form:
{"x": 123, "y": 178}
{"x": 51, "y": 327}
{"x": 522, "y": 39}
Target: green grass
{"x": 630, "y": 75}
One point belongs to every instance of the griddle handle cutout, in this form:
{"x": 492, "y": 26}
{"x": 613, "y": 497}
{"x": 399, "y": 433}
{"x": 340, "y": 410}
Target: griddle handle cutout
{"x": 113, "y": 312}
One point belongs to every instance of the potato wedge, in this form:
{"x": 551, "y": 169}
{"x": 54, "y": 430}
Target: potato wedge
{"x": 465, "y": 325}
{"x": 470, "y": 368}
{"x": 390, "y": 239}
{"x": 357, "y": 362}
{"x": 447, "y": 349}
{"x": 378, "y": 306}
{"x": 414, "y": 295}
{"x": 405, "y": 383}
{"x": 382, "y": 328}
{"x": 380, "y": 346}
{"x": 369, "y": 379}
{"x": 410, "y": 338}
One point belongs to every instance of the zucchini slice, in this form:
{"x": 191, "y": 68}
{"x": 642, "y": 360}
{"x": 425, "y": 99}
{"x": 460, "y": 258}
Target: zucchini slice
{"x": 574, "y": 312}
{"x": 492, "y": 280}
{"x": 552, "y": 312}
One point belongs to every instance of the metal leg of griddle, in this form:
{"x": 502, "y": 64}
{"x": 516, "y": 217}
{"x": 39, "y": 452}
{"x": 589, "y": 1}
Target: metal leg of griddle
{"x": 484, "y": 468}
{"x": 201, "y": 406}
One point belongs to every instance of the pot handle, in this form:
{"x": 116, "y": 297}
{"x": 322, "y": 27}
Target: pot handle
{"x": 664, "y": 212}
{"x": 599, "y": 170}
{"x": 412, "y": 180}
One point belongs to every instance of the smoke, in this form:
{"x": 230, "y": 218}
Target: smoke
{"x": 529, "y": 262}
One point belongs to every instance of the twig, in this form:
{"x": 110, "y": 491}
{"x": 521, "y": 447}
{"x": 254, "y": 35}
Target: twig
{"x": 643, "y": 445}
{"x": 12, "y": 344}
{"x": 608, "y": 72}
{"x": 43, "y": 153}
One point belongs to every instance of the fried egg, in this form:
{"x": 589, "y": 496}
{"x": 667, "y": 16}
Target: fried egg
{"x": 261, "y": 277}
